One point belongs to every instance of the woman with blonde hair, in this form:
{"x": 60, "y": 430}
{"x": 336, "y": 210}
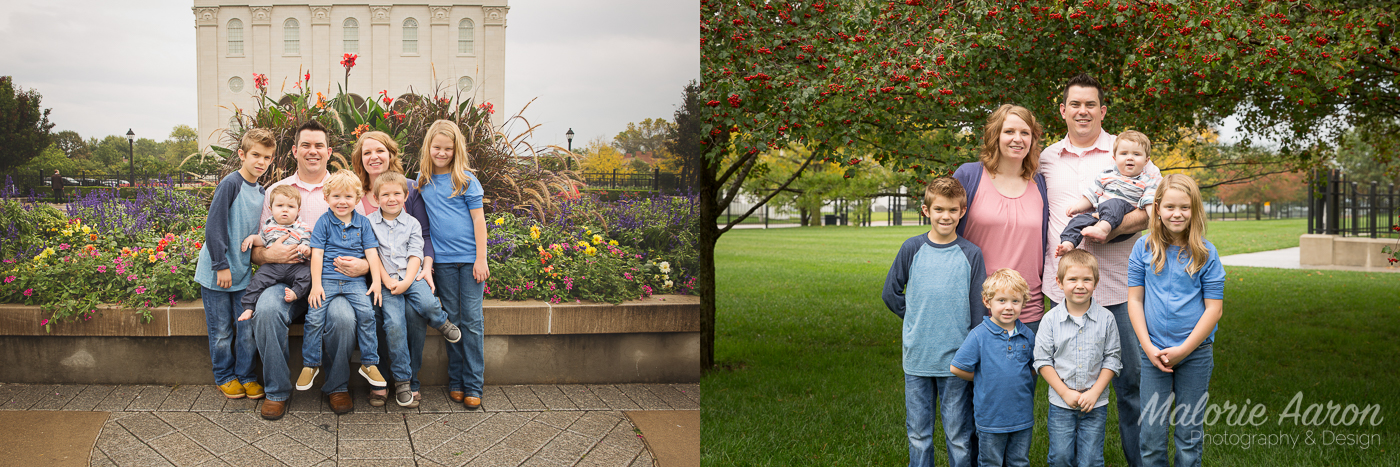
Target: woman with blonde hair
{"x": 1005, "y": 217}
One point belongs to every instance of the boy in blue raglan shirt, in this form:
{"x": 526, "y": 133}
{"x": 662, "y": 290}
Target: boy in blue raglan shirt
{"x": 935, "y": 286}
{"x": 223, "y": 270}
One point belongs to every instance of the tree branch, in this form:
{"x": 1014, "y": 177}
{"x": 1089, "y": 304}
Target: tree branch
{"x": 770, "y": 196}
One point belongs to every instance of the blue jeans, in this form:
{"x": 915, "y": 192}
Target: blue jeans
{"x": 1125, "y": 385}
{"x": 231, "y": 348}
{"x": 270, "y": 321}
{"x": 952, "y": 396}
{"x": 1004, "y": 449}
{"x": 1034, "y": 325}
{"x": 461, "y": 298}
{"x": 366, "y": 330}
{"x": 1189, "y": 382}
{"x": 420, "y": 299}
{"x": 1076, "y": 438}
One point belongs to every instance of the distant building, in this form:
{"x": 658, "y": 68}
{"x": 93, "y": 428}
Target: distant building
{"x": 402, "y": 48}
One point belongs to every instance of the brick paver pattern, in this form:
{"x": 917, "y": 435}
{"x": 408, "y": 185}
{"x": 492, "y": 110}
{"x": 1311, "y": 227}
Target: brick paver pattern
{"x": 531, "y": 425}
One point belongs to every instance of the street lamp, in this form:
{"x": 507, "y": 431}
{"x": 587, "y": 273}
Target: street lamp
{"x": 570, "y": 136}
{"x": 131, "y": 143}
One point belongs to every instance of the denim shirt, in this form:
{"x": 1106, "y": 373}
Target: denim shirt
{"x": 1078, "y": 349}
{"x": 1003, "y": 385}
{"x": 341, "y": 239}
{"x": 399, "y": 239}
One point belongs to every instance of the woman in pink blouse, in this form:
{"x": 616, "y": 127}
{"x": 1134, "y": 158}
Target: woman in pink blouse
{"x": 1007, "y": 212}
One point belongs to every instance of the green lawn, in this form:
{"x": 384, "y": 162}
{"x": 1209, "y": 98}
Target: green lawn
{"x": 810, "y": 357}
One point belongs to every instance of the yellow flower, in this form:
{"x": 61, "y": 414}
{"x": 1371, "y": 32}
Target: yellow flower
{"x": 612, "y": 242}
{"x": 597, "y": 239}
{"x": 500, "y": 220}
{"x": 535, "y": 232}
{"x": 591, "y": 251}
{"x": 583, "y": 244}
{"x": 86, "y": 229}
{"x": 151, "y": 259}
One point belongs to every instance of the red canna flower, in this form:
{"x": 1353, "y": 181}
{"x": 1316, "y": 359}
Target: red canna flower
{"x": 488, "y": 107}
{"x": 348, "y": 61}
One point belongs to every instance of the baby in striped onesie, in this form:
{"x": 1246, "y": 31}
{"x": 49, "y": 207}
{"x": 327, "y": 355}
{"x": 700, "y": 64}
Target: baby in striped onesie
{"x": 1114, "y": 193}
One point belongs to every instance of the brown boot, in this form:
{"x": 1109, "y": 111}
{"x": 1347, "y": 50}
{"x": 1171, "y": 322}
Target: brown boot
{"x": 341, "y": 403}
{"x": 273, "y": 410}
{"x": 456, "y": 396}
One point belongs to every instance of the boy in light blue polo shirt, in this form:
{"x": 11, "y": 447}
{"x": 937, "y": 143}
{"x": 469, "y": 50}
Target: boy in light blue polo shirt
{"x": 342, "y": 232}
{"x": 401, "y": 249}
{"x": 934, "y": 285}
{"x": 997, "y": 359}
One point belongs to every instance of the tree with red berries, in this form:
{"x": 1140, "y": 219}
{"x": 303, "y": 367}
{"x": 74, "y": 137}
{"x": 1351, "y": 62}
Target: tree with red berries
{"x": 902, "y": 80}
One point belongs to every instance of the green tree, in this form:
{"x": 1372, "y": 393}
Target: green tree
{"x": 183, "y": 147}
{"x": 886, "y": 76}
{"x": 683, "y": 146}
{"x": 1362, "y": 162}
{"x": 638, "y": 166}
{"x": 647, "y": 136}
{"x": 71, "y": 144}
{"x": 24, "y": 126}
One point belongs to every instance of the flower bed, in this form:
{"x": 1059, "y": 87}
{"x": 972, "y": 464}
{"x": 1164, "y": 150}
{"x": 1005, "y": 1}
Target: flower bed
{"x": 141, "y": 253}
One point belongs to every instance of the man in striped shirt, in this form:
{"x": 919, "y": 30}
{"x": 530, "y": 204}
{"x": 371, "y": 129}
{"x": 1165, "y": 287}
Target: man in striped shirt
{"x": 1067, "y": 165}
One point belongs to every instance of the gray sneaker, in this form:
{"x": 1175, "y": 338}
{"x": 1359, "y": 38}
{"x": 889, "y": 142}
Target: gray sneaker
{"x": 403, "y": 395}
{"x": 450, "y": 331}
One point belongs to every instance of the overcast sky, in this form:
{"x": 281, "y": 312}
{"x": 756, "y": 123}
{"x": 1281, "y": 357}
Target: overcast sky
{"x": 593, "y": 66}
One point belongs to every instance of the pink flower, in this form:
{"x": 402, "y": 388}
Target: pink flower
{"x": 9, "y": 279}
{"x": 172, "y": 269}
{"x": 64, "y": 246}
{"x": 130, "y": 277}
{"x": 28, "y": 292}
{"x": 45, "y": 322}
{"x": 172, "y": 300}
{"x": 102, "y": 269}
{"x": 140, "y": 289}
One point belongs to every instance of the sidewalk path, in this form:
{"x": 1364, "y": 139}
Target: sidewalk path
{"x": 1287, "y": 258}
{"x": 518, "y": 425}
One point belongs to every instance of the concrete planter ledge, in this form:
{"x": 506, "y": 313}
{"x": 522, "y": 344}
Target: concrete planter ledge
{"x": 656, "y": 340}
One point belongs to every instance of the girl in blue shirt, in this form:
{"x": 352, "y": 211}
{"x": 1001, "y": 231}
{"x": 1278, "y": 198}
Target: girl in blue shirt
{"x": 1176, "y": 293}
{"x": 457, "y": 226}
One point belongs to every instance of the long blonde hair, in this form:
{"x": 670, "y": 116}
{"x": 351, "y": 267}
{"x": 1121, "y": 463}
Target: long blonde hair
{"x": 357, "y": 158}
{"x": 1159, "y": 238}
{"x": 460, "y": 163}
{"x": 990, "y": 155}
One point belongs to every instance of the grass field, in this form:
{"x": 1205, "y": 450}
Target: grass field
{"x": 810, "y": 358}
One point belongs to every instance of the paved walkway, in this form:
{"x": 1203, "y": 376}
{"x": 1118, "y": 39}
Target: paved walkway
{"x": 1287, "y": 258}
{"x": 517, "y": 426}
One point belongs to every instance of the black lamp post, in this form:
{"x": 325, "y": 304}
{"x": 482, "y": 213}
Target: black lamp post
{"x": 570, "y": 136}
{"x": 131, "y": 143}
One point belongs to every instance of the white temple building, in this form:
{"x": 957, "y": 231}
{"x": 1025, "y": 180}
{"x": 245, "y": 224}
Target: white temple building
{"x": 414, "y": 48}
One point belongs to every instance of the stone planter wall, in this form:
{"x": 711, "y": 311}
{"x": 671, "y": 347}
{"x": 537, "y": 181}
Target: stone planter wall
{"x": 656, "y": 340}
{"x": 1334, "y": 250}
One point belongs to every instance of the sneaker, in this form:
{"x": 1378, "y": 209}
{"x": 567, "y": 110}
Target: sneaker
{"x": 308, "y": 376}
{"x": 403, "y": 395}
{"x": 253, "y": 389}
{"x": 232, "y": 389}
{"x": 371, "y": 373}
{"x": 450, "y": 332}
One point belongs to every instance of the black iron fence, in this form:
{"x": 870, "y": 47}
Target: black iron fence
{"x": 1217, "y": 211}
{"x": 115, "y": 179}
{"x": 653, "y": 181}
{"x": 1337, "y": 206}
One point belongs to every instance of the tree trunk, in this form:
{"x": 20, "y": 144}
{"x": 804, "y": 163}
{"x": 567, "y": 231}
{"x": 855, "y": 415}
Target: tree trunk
{"x": 709, "y": 237}
{"x": 804, "y": 215}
